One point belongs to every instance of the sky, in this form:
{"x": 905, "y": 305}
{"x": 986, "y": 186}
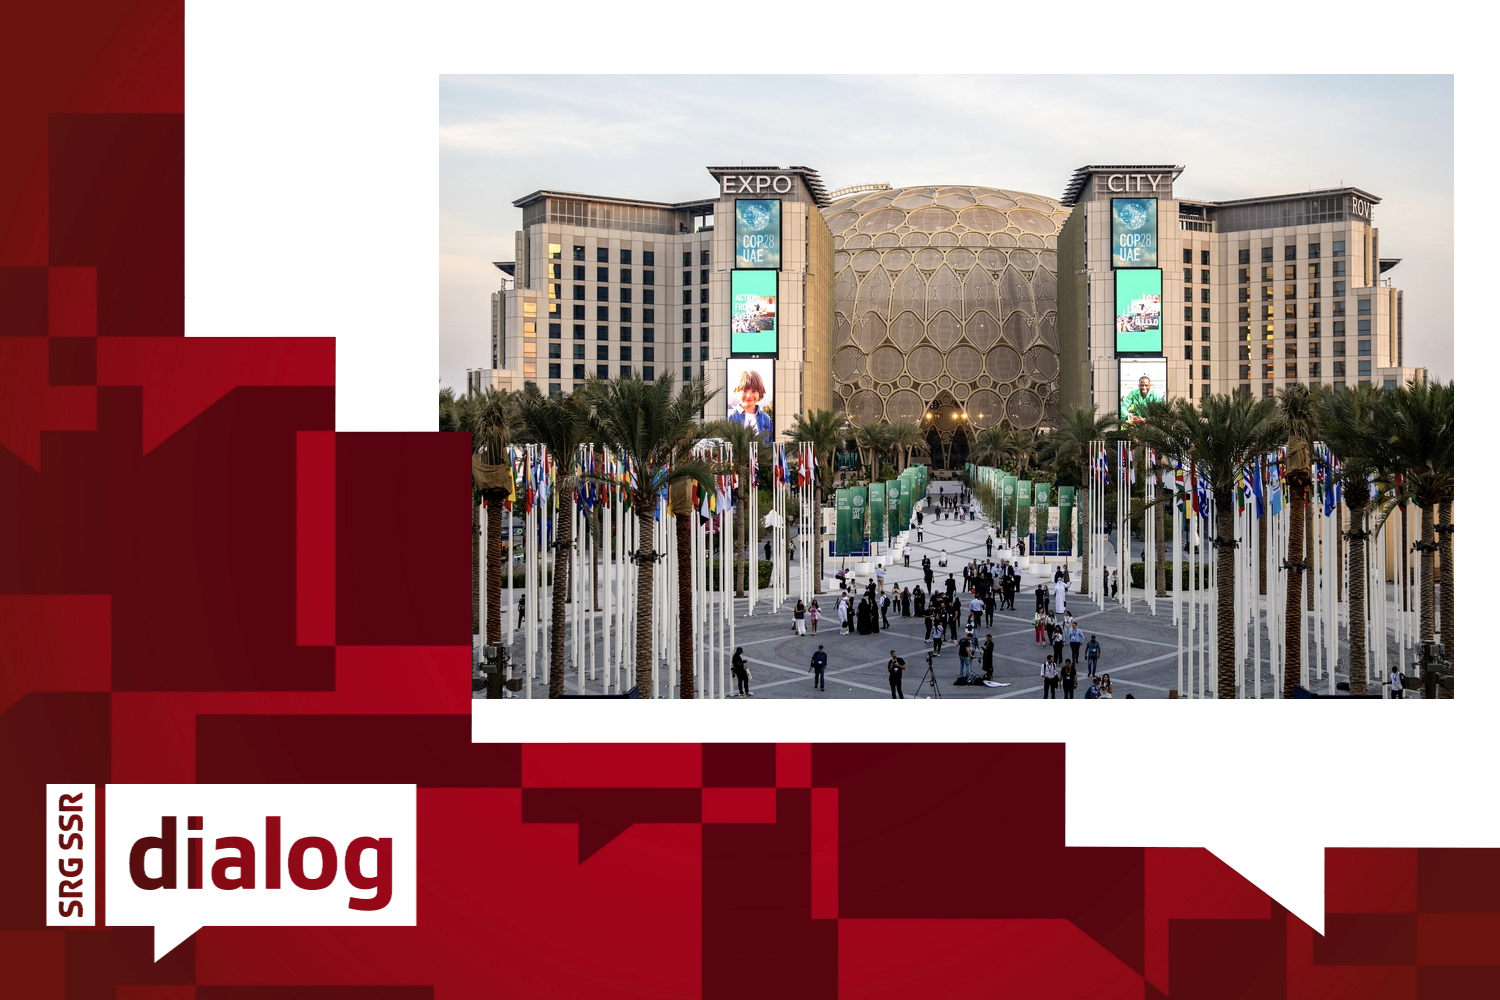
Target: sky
{"x": 649, "y": 137}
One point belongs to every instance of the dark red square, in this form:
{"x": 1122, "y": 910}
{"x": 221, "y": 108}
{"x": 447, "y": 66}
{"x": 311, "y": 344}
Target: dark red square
{"x": 23, "y": 302}
{"x": 739, "y": 765}
{"x": 1367, "y": 939}
{"x": 71, "y": 360}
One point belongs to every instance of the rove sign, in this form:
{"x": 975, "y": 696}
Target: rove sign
{"x": 179, "y": 857}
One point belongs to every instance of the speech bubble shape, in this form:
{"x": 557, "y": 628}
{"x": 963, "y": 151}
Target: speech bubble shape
{"x": 181, "y": 857}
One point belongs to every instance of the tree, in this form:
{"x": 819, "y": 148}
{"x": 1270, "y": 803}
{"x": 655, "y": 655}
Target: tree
{"x": 877, "y": 439}
{"x": 904, "y": 436}
{"x": 457, "y": 413}
{"x": 1070, "y": 446}
{"x": 654, "y": 427}
{"x": 560, "y": 423}
{"x": 1300, "y": 411}
{"x": 1219, "y": 436}
{"x": 990, "y": 447}
{"x": 1348, "y": 423}
{"x": 745, "y": 443}
{"x": 492, "y": 426}
{"x": 825, "y": 431}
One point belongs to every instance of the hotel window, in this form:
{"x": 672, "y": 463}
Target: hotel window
{"x": 703, "y": 295}
{"x": 1244, "y": 256}
{"x": 578, "y": 311}
{"x": 648, "y": 258}
{"x": 554, "y": 251}
{"x": 624, "y": 256}
{"x": 624, "y": 334}
{"x": 626, "y": 274}
{"x": 602, "y": 273}
{"x": 1187, "y": 352}
{"x": 1364, "y": 369}
{"x": 1187, "y": 255}
{"x": 648, "y": 277}
{"x": 1205, "y": 374}
{"x": 601, "y": 313}
{"x": 703, "y": 315}
{"x": 1289, "y": 252}
{"x": 580, "y": 273}
{"x": 1266, "y": 255}
{"x": 1315, "y": 271}
{"x": 1338, "y": 307}
{"x": 1338, "y": 249}
{"x": 1203, "y": 257}
{"x": 554, "y": 290}
{"x": 1267, "y": 292}
{"x": 1315, "y": 369}
{"x": 577, "y": 331}
{"x": 578, "y": 253}
{"x": 1244, "y": 333}
{"x": 1390, "y": 384}
{"x": 1267, "y": 352}
{"x": 1288, "y": 351}
{"x": 1338, "y": 369}
{"x": 703, "y": 276}
{"x": 1203, "y": 276}
{"x": 1289, "y": 331}
{"x": 1187, "y": 314}
{"x": 624, "y": 353}
{"x": 625, "y": 314}
{"x": 1290, "y": 272}
{"x": 1267, "y": 389}
{"x": 1314, "y": 290}
{"x": 554, "y": 351}
{"x": 687, "y": 277}
{"x": 578, "y": 372}
{"x": 601, "y": 333}
{"x": 687, "y": 373}
{"x": 528, "y": 349}
{"x": 687, "y": 261}
{"x": 1244, "y": 352}
{"x": 648, "y": 315}
{"x": 1268, "y": 313}
{"x": 1338, "y": 348}
{"x": 1291, "y": 310}
{"x": 1203, "y": 315}
{"x": 1314, "y": 310}
{"x": 577, "y": 352}
{"x": 648, "y": 354}
{"x": 1268, "y": 274}
{"x": 1338, "y": 268}
{"x": 1203, "y": 353}
{"x": 1267, "y": 371}
{"x": 580, "y": 291}
{"x": 554, "y": 389}
{"x": 687, "y": 297}
{"x": 703, "y": 352}
{"x": 1338, "y": 289}
{"x": 1244, "y": 314}
{"x": 555, "y": 271}
{"x": 1338, "y": 328}
{"x": 602, "y": 370}
{"x": 703, "y": 257}
{"x": 1244, "y": 275}
{"x": 1315, "y": 329}
{"x": 625, "y": 295}
{"x": 687, "y": 354}
{"x": 1244, "y": 371}
{"x": 1314, "y": 251}
{"x": 602, "y": 294}
{"x": 554, "y": 308}
{"x": 602, "y": 255}
{"x": 1363, "y": 326}
{"x": 601, "y": 352}
{"x": 1364, "y": 307}
{"x": 1315, "y": 349}
{"x": 554, "y": 370}
{"x": 1364, "y": 348}
{"x": 1187, "y": 275}
{"x": 687, "y": 316}
{"x": 649, "y": 335}
{"x": 1203, "y": 295}
{"x": 1245, "y": 388}
{"x": 648, "y": 373}
{"x": 554, "y": 331}
{"x": 703, "y": 334}
{"x": 1203, "y": 333}
{"x": 648, "y": 296}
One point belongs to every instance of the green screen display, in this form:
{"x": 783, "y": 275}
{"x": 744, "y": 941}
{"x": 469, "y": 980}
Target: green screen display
{"x": 1138, "y": 311}
{"x": 752, "y": 312}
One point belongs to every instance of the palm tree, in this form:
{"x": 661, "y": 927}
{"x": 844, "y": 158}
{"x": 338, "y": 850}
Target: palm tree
{"x": 990, "y": 446}
{"x": 560, "y": 423}
{"x": 447, "y": 410}
{"x": 745, "y": 443}
{"x": 1070, "y": 443}
{"x": 1021, "y": 449}
{"x": 456, "y": 413}
{"x": 1299, "y": 410}
{"x": 876, "y": 438}
{"x": 492, "y": 422}
{"x": 1221, "y": 434}
{"x": 1349, "y": 426}
{"x": 654, "y": 426}
{"x": 825, "y": 430}
{"x": 1418, "y": 422}
{"x": 904, "y": 436}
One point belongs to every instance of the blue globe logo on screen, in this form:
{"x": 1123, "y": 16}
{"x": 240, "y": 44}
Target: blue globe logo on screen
{"x": 1132, "y": 214}
{"x": 754, "y": 216}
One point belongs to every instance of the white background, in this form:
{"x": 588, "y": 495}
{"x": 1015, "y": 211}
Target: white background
{"x": 312, "y": 210}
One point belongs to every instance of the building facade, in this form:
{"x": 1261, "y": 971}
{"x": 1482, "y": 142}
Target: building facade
{"x": 1195, "y": 296}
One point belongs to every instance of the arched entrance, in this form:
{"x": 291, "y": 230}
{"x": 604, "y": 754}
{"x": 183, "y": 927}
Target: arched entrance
{"x": 949, "y": 433}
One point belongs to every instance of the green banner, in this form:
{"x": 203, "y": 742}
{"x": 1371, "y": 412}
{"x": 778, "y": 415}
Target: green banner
{"x": 845, "y": 522}
{"x": 1065, "y": 518}
{"x": 1023, "y": 508}
{"x": 1040, "y": 502}
{"x": 876, "y": 521}
{"x": 893, "y": 522}
{"x": 858, "y": 500}
{"x": 1007, "y": 503}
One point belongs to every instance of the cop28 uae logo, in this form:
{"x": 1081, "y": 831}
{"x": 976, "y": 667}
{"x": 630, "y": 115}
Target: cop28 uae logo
{"x": 179, "y": 857}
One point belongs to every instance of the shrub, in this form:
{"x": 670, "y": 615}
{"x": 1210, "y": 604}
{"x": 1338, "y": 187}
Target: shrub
{"x": 1184, "y": 573}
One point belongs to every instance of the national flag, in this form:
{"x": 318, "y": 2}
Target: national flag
{"x": 1130, "y": 455}
{"x": 1275, "y": 474}
{"x": 1257, "y": 489}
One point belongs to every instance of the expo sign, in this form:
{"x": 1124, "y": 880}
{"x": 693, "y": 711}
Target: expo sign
{"x": 756, "y": 184}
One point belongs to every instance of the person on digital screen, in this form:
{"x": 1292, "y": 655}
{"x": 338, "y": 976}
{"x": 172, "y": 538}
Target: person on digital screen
{"x": 749, "y": 390}
{"x": 1134, "y": 405}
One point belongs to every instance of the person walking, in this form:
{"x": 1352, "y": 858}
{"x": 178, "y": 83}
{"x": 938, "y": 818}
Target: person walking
{"x": 1038, "y": 622}
{"x": 1060, "y": 596}
{"x": 976, "y": 612}
{"x": 741, "y": 673}
{"x": 1057, "y": 641}
{"x": 880, "y": 578}
{"x": 989, "y": 609}
{"x": 813, "y": 614}
{"x": 1041, "y": 597}
{"x": 965, "y": 652}
{"x": 989, "y": 546}
{"x": 951, "y": 586}
{"x": 905, "y": 602}
{"x": 919, "y": 602}
{"x": 895, "y": 668}
{"x": 1069, "y": 679}
{"x": 1397, "y": 690}
{"x": 1049, "y": 678}
{"x": 799, "y": 619}
{"x": 819, "y": 664}
{"x": 936, "y": 635}
{"x": 1075, "y": 639}
{"x": 768, "y": 551}
{"x": 906, "y": 554}
{"x": 1091, "y": 653}
{"x": 987, "y": 656}
{"x": 521, "y": 606}
{"x": 1114, "y": 584}
{"x": 885, "y": 610}
{"x": 843, "y": 610}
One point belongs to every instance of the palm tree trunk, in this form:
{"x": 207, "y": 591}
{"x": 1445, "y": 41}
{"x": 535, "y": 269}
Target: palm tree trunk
{"x": 1260, "y": 523}
{"x": 1298, "y": 482}
{"x": 817, "y": 536}
{"x": 1445, "y": 571}
{"x": 1161, "y": 550}
{"x": 1224, "y": 561}
{"x": 494, "y": 566}
{"x": 645, "y": 591}
{"x": 741, "y": 576}
{"x": 1429, "y": 611}
{"x": 562, "y": 563}
{"x": 474, "y": 532}
{"x": 1359, "y": 657}
{"x": 1086, "y": 536}
{"x": 683, "y": 522}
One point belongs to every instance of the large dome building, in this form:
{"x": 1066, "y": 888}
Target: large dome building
{"x": 945, "y": 309}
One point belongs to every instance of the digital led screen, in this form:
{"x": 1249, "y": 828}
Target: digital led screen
{"x": 1141, "y": 381}
{"x": 751, "y": 384}
{"x": 1138, "y": 311}
{"x": 752, "y": 312}
{"x": 1133, "y": 231}
{"x": 757, "y": 233}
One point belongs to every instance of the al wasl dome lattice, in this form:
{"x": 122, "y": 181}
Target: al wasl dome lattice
{"x": 946, "y": 297}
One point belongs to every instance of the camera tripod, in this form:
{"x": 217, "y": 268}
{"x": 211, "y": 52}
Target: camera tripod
{"x": 930, "y": 678}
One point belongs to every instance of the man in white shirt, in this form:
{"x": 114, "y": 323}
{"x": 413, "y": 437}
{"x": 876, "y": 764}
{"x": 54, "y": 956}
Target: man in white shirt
{"x": 1059, "y": 596}
{"x": 880, "y": 578}
{"x": 906, "y": 554}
